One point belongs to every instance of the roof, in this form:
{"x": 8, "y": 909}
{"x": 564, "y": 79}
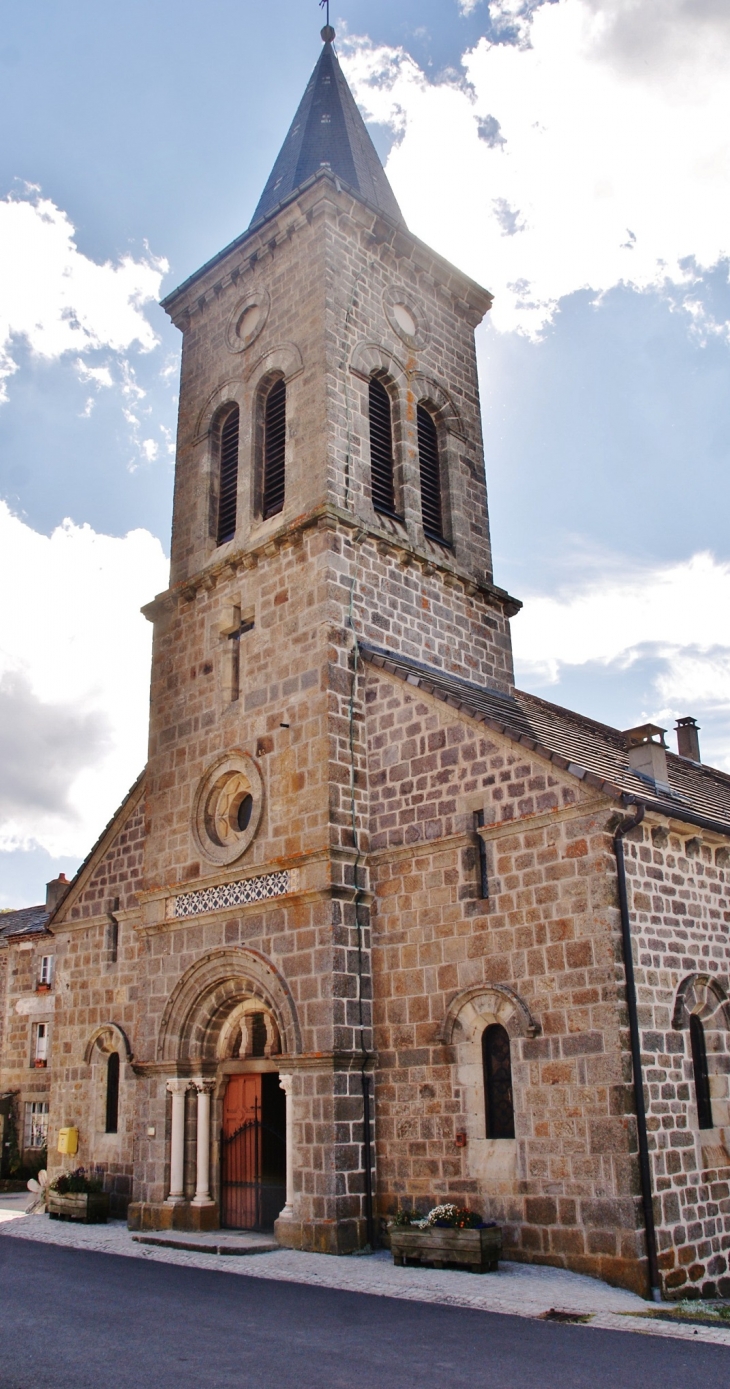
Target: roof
{"x": 591, "y": 751}
{"x": 328, "y": 132}
{"x": 26, "y": 921}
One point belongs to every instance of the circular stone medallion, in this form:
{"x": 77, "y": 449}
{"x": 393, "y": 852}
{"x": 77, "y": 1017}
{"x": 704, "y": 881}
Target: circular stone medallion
{"x": 247, "y": 320}
{"x": 228, "y": 807}
{"x": 406, "y": 316}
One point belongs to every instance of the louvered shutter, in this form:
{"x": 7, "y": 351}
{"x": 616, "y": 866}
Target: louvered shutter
{"x": 228, "y": 477}
{"x": 274, "y": 450}
{"x": 381, "y": 449}
{"x": 430, "y": 466}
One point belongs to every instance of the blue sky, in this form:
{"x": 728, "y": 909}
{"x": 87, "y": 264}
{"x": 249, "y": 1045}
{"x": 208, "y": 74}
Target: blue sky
{"x": 571, "y": 154}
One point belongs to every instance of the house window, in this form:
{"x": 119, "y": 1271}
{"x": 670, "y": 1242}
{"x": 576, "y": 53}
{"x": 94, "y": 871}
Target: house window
{"x": 36, "y": 1124}
{"x": 430, "y": 468}
{"x": 699, "y": 1065}
{"x": 382, "y": 466}
{"x": 497, "y": 1065}
{"x": 227, "y": 476}
{"x": 45, "y": 975}
{"x": 112, "y": 1093}
{"x": 40, "y": 1044}
{"x": 274, "y": 479}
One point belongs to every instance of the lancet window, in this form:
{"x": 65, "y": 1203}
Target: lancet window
{"x": 274, "y": 450}
{"x": 382, "y": 467}
{"x": 497, "y": 1065}
{"x": 430, "y": 469}
{"x": 227, "y": 475}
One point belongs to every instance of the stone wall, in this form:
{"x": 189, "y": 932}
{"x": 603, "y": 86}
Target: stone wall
{"x": 540, "y": 956}
{"x": 680, "y": 898}
{"x": 21, "y": 1008}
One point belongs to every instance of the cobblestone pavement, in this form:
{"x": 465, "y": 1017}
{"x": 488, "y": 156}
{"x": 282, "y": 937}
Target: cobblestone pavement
{"x": 524, "y": 1290}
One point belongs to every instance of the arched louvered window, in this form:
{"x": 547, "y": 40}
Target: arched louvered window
{"x": 274, "y": 479}
{"x": 381, "y": 449}
{"x": 499, "y": 1106}
{"x": 227, "y": 477}
{"x": 699, "y": 1065}
{"x": 430, "y": 466}
{"x": 112, "y": 1093}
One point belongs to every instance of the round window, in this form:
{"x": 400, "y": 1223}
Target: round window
{"x": 228, "y": 808}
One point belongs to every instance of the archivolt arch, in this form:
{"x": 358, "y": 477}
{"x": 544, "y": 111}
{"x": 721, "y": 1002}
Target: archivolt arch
{"x": 704, "y": 996}
{"x": 497, "y": 1002}
{"x": 283, "y": 359}
{"x": 428, "y": 391}
{"x": 227, "y": 393}
{"x": 111, "y": 1037}
{"x": 369, "y": 358}
{"x": 204, "y": 997}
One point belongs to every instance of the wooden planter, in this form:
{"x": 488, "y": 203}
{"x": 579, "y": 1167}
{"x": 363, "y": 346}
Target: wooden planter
{"x": 478, "y": 1250}
{"x": 92, "y": 1208}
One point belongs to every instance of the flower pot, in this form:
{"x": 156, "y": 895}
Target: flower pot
{"x": 40, "y": 1065}
{"x": 478, "y": 1250}
{"x": 90, "y": 1207}
{"x": 43, "y": 988}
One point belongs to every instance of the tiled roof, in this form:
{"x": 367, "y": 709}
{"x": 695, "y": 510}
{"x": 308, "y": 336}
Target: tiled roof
{"x": 328, "y": 131}
{"x": 26, "y": 921}
{"x": 589, "y": 750}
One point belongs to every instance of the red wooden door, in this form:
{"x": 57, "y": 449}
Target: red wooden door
{"x": 241, "y": 1153}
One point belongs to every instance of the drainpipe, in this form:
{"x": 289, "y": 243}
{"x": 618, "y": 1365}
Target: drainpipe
{"x": 644, "y": 1165}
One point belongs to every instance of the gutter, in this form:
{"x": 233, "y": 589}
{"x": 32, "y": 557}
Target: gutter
{"x": 644, "y": 1164}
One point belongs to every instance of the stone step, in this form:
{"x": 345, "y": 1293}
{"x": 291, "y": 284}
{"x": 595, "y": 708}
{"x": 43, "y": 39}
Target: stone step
{"x": 211, "y": 1241}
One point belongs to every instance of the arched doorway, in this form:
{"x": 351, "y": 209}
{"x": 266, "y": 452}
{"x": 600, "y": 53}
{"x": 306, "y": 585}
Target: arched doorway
{"x": 253, "y": 1151}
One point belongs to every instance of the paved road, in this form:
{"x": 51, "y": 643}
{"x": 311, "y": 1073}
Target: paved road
{"x": 77, "y": 1320}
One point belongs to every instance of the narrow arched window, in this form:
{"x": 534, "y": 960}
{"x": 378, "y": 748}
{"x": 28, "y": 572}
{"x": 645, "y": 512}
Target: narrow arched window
{"x": 274, "y": 479}
{"x": 112, "y": 1092}
{"x": 381, "y": 449}
{"x": 499, "y": 1106}
{"x": 227, "y": 477}
{"x": 702, "y": 1079}
{"x": 430, "y": 466}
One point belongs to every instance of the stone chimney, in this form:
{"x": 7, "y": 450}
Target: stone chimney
{"x": 55, "y": 890}
{"x": 688, "y": 739}
{"x": 648, "y": 753}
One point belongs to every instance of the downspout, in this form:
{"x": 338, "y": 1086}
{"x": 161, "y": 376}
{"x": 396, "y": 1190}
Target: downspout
{"x": 625, "y": 828}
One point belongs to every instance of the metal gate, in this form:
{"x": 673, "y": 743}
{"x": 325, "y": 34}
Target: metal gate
{"x": 252, "y": 1191}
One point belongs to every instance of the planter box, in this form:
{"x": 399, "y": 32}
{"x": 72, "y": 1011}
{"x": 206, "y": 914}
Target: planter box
{"x": 478, "y": 1250}
{"x": 92, "y": 1208}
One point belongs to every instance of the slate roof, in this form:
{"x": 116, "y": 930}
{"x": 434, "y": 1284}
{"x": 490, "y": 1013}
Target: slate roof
{"x": 591, "y": 751}
{"x": 328, "y": 131}
{"x": 26, "y": 921}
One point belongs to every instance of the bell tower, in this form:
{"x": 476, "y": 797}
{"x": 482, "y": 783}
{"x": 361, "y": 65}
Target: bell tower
{"x": 329, "y": 487}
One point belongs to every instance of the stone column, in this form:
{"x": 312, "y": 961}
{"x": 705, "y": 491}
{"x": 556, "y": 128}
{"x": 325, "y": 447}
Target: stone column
{"x": 285, "y": 1083}
{"x": 177, "y": 1089}
{"x": 202, "y": 1184}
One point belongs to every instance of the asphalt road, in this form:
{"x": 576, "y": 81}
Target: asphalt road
{"x": 76, "y": 1320}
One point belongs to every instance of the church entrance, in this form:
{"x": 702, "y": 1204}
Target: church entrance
{"x": 253, "y": 1152}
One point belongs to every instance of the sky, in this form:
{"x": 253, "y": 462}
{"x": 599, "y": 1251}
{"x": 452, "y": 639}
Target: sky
{"x": 571, "y": 155}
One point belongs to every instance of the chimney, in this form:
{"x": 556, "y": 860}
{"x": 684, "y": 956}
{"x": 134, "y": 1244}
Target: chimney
{"x": 688, "y": 739}
{"x": 55, "y": 890}
{"x": 648, "y": 753}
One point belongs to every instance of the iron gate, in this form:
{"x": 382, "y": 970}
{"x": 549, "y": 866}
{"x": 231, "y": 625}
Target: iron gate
{"x": 253, "y": 1166}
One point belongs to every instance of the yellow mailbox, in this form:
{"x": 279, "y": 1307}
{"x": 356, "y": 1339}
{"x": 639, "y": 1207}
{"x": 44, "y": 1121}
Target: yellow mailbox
{"x": 68, "y": 1141}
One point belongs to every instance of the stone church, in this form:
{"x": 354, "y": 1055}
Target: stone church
{"x": 374, "y": 929}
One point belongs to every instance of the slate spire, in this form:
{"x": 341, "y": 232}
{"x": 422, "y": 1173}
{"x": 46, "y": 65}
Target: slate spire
{"x": 328, "y": 131}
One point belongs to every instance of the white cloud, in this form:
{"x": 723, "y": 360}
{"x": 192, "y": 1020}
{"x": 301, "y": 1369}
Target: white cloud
{"x": 74, "y": 678}
{"x": 58, "y": 300}
{"x": 677, "y": 617}
{"x": 100, "y": 376}
{"x": 604, "y": 155}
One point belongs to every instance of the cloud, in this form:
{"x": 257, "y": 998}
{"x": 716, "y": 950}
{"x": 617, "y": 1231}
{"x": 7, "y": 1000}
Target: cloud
{"x": 74, "y": 662}
{"x": 42, "y": 748}
{"x": 613, "y": 156}
{"x": 56, "y": 299}
{"x": 672, "y": 620}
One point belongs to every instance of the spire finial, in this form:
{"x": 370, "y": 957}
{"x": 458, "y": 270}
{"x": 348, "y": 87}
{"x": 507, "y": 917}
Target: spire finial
{"x": 328, "y": 33}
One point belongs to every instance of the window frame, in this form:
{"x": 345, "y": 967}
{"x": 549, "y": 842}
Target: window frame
{"x": 700, "y": 1072}
{"x": 45, "y": 972}
{"x": 380, "y": 381}
{"x": 112, "y": 1093}
{"x": 269, "y": 384}
{"x": 35, "y": 1110}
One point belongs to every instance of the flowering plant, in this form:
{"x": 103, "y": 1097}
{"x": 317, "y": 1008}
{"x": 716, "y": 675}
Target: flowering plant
{"x": 76, "y": 1182}
{"x": 445, "y": 1217}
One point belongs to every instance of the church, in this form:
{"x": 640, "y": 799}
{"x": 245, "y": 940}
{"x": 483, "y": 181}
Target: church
{"x": 374, "y": 929}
